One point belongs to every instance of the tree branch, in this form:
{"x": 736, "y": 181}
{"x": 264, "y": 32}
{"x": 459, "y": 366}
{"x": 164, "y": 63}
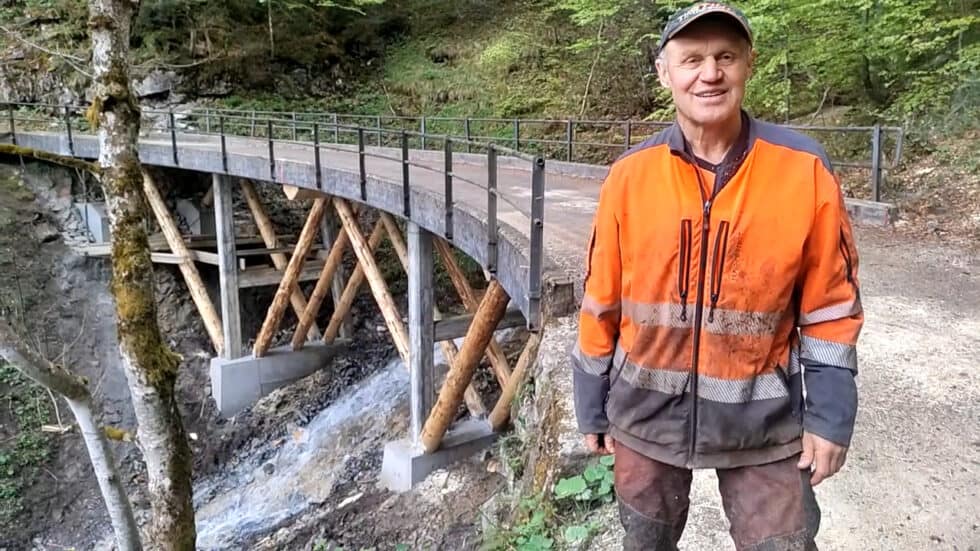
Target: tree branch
{"x": 67, "y": 57}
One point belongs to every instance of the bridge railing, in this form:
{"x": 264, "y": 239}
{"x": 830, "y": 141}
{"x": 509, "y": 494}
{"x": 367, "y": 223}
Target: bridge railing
{"x": 278, "y": 129}
{"x": 854, "y": 149}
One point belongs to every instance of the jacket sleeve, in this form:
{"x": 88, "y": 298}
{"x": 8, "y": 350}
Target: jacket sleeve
{"x": 830, "y": 316}
{"x": 599, "y": 315}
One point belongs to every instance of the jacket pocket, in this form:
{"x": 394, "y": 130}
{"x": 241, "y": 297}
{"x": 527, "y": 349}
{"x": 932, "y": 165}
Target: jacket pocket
{"x": 684, "y": 266}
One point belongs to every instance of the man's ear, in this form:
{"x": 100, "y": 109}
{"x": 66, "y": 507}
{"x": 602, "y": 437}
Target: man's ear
{"x": 753, "y": 54}
{"x": 662, "y": 74}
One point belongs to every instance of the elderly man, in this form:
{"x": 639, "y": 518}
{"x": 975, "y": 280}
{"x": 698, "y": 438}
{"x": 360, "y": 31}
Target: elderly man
{"x": 721, "y": 260}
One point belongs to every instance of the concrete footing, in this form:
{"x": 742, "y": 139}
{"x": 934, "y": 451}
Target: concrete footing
{"x": 239, "y": 383}
{"x": 405, "y": 463}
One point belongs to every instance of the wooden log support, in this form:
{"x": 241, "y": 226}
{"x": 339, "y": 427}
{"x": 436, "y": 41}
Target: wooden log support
{"x": 342, "y": 308}
{"x": 330, "y": 230}
{"x": 289, "y": 278}
{"x": 377, "y": 283}
{"x": 212, "y": 323}
{"x": 323, "y": 286}
{"x": 491, "y": 309}
{"x": 231, "y": 316}
{"x": 474, "y": 403}
{"x": 279, "y": 260}
{"x": 495, "y": 354}
{"x": 501, "y": 411}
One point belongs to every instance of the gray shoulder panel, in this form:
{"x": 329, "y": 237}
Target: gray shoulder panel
{"x": 665, "y": 136}
{"x": 786, "y": 137}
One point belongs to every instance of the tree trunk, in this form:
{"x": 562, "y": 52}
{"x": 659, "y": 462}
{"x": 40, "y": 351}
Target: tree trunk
{"x": 150, "y": 366}
{"x": 54, "y": 378}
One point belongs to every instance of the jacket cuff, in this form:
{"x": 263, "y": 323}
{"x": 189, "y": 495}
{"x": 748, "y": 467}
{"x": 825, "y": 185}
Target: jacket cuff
{"x": 590, "y": 392}
{"x": 831, "y": 402}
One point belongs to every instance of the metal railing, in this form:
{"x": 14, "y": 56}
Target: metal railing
{"x": 873, "y": 148}
{"x": 70, "y": 122}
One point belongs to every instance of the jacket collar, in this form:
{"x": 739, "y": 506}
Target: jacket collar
{"x": 679, "y": 145}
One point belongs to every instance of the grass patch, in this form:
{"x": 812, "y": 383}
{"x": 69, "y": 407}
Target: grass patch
{"x": 24, "y": 449}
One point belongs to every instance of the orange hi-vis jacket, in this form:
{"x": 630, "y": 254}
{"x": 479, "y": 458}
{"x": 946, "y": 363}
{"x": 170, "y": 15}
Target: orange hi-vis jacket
{"x": 706, "y": 289}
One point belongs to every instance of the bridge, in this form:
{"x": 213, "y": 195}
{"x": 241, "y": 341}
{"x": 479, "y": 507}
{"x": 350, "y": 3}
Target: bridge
{"x": 521, "y": 213}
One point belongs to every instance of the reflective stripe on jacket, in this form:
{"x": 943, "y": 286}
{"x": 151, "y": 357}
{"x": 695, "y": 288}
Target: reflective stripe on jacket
{"x": 719, "y": 290}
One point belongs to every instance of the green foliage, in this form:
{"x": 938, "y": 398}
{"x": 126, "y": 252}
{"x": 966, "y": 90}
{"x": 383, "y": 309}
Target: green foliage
{"x": 22, "y": 456}
{"x": 563, "y": 516}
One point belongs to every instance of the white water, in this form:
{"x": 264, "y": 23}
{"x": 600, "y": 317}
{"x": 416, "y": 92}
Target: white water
{"x": 244, "y": 501}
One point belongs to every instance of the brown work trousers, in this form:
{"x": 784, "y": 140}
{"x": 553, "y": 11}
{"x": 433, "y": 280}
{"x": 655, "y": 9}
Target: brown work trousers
{"x": 770, "y": 507}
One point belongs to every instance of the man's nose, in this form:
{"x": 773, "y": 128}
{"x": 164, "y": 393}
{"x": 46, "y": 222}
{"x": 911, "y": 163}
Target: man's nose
{"x": 710, "y": 72}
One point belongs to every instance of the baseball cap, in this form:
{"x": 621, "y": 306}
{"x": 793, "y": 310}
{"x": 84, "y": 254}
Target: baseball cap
{"x": 685, "y": 16}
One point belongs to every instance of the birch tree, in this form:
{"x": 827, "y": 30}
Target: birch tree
{"x": 149, "y": 364}
{"x": 74, "y": 390}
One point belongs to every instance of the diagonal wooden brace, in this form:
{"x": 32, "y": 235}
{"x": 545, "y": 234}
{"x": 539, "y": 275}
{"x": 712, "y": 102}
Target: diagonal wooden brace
{"x": 495, "y": 354}
{"x": 492, "y": 308}
{"x": 212, "y": 321}
{"x": 279, "y": 261}
{"x": 376, "y": 281}
{"x": 474, "y": 403}
{"x": 353, "y": 286}
{"x": 311, "y": 229}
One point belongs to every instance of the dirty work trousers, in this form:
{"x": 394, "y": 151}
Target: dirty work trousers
{"x": 770, "y": 507}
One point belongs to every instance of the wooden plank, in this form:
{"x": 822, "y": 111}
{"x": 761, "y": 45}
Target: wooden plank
{"x": 495, "y": 354}
{"x": 266, "y": 275}
{"x": 491, "y": 309}
{"x": 279, "y": 261}
{"x": 289, "y": 278}
{"x": 342, "y": 308}
{"x": 224, "y": 218}
{"x": 377, "y": 283}
{"x": 455, "y": 327}
{"x": 199, "y": 294}
{"x": 501, "y": 411}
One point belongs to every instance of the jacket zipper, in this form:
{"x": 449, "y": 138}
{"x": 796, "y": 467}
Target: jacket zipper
{"x": 684, "y": 267}
{"x": 699, "y": 305}
{"x": 718, "y": 267}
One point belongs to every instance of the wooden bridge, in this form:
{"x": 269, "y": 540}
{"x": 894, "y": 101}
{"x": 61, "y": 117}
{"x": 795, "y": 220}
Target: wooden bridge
{"x": 522, "y": 218}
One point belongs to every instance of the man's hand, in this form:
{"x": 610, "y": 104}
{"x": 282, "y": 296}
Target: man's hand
{"x": 822, "y": 456}
{"x": 592, "y": 442}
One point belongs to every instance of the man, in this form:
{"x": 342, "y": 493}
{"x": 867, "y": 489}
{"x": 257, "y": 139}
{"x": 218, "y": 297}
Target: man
{"x": 721, "y": 259}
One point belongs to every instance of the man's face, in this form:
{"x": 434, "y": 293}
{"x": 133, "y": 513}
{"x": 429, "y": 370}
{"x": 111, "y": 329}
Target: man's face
{"x": 706, "y": 68}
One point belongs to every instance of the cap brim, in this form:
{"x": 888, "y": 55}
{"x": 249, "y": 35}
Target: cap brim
{"x": 708, "y": 11}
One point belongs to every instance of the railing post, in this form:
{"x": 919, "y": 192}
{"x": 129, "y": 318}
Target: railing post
{"x": 422, "y": 128}
{"x": 449, "y": 190}
{"x": 224, "y": 146}
{"x": 569, "y": 136}
{"x": 629, "y": 134}
{"x": 294, "y": 126}
{"x": 517, "y": 134}
{"x": 492, "y": 209}
{"x": 173, "y": 136}
{"x": 71, "y": 140}
{"x": 537, "y": 245}
{"x": 13, "y": 125}
{"x": 316, "y": 155}
{"x": 336, "y": 129}
{"x": 466, "y": 130}
{"x": 207, "y": 121}
{"x": 377, "y": 124}
{"x": 406, "y": 194}
{"x": 272, "y": 153}
{"x": 252, "y": 131}
{"x": 876, "y": 163}
{"x": 360, "y": 162}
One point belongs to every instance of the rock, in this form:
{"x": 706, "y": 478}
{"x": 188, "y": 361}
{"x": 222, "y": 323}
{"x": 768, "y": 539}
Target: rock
{"x": 156, "y": 83}
{"x": 46, "y": 232}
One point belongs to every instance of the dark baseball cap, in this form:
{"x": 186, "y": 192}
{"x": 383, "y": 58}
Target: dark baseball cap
{"x": 685, "y": 16}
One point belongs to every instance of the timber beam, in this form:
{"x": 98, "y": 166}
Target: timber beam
{"x": 457, "y": 326}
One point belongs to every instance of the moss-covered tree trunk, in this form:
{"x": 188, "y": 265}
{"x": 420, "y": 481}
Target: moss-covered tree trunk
{"x": 150, "y": 366}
